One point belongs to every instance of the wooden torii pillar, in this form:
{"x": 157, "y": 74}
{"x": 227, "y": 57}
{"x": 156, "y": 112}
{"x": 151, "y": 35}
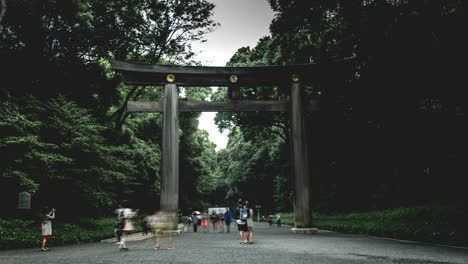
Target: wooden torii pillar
{"x": 233, "y": 77}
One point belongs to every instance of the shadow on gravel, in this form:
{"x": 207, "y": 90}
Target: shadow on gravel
{"x": 378, "y": 259}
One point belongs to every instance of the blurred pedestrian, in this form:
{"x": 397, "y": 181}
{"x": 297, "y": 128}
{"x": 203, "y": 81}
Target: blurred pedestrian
{"x": 270, "y": 220}
{"x": 119, "y": 224}
{"x": 250, "y": 223}
{"x": 152, "y": 222}
{"x": 228, "y": 219}
{"x": 46, "y": 226}
{"x": 214, "y": 220}
{"x": 189, "y": 221}
{"x": 145, "y": 227}
{"x": 196, "y": 220}
{"x": 126, "y": 220}
{"x": 220, "y": 222}
{"x": 164, "y": 227}
{"x": 278, "y": 220}
{"x": 205, "y": 218}
{"x": 186, "y": 220}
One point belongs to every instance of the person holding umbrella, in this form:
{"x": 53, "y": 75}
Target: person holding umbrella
{"x": 196, "y": 218}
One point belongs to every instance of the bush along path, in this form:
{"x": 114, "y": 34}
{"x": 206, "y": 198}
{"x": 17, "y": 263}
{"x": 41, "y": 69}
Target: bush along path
{"x": 27, "y": 233}
{"x": 432, "y": 224}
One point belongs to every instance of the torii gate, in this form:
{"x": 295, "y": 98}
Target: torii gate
{"x": 234, "y": 78}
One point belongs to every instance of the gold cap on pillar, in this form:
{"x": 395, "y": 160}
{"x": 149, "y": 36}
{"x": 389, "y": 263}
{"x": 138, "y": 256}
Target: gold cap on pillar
{"x": 233, "y": 78}
{"x": 170, "y": 78}
{"x": 295, "y": 77}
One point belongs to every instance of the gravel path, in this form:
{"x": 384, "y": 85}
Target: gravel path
{"x": 272, "y": 245}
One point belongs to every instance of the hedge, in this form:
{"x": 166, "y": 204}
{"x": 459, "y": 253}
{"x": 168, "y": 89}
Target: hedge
{"x": 433, "y": 224}
{"x": 27, "y": 233}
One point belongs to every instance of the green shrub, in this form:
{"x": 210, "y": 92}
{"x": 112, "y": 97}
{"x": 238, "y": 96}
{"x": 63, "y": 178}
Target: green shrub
{"x": 433, "y": 223}
{"x": 25, "y": 233}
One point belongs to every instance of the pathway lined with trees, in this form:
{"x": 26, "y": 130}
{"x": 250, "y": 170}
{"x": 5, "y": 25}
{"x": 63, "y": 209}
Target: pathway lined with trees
{"x": 392, "y": 135}
{"x": 272, "y": 245}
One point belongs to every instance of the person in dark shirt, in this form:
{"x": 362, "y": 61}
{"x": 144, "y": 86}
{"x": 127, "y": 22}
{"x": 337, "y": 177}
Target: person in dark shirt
{"x": 242, "y": 213}
{"x": 228, "y": 219}
{"x": 214, "y": 219}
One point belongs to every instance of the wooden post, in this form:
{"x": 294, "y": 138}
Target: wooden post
{"x": 300, "y": 160}
{"x": 170, "y": 150}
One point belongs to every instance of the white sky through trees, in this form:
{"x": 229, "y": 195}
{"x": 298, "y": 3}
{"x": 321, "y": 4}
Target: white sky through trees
{"x": 243, "y": 23}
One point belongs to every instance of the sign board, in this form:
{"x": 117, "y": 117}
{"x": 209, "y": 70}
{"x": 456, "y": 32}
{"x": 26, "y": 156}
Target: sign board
{"x": 24, "y": 200}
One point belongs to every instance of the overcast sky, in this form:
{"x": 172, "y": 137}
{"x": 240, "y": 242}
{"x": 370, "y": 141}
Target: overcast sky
{"x": 243, "y": 23}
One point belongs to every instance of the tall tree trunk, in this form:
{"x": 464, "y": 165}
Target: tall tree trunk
{"x": 2, "y": 13}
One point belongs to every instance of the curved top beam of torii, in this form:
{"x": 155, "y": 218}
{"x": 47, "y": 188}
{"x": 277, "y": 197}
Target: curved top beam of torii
{"x": 157, "y": 74}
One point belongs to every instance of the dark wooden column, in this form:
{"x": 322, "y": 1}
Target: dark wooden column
{"x": 300, "y": 160}
{"x": 170, "y": 150}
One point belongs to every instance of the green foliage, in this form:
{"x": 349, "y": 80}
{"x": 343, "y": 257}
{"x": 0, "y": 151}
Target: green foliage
{"x": 19, "y": 139}
{"x": 59, "y": 154}
{"x": 26, "y": 233}
{"x": 248, "y": 165}
{"x": 65, "y": 45}
{"x": 70, "y": 141}
{"x": 435, "y": 223}
{"x": 199, "y": 171}
{"x": 367, "y": 153}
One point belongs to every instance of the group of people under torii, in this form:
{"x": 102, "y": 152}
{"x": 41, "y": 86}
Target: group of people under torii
{"x": 164, "y": 224}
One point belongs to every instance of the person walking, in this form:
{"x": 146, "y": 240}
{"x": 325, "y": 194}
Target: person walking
{"x": 119, "y": 224}
{"x": 205, "y": 218}
{"x": 145, "y": 225}
{"x": 126, "y": 215}
{"x": 220, "y": 223}
{"x": 250, "y": 223}
{"x": 46, "y": 226}
{"x": 270, "y": 220}
{"x": 278, "y": 220}
{"x": 196, "y": 220}
{"x": 241, "y": 215}
{"x": 228, "y": 219}
{"x": 164, "y": 227}
{"x": 214, "y": 220}
{"x": 185, "y": 222}
{"x": 189, "y": 222}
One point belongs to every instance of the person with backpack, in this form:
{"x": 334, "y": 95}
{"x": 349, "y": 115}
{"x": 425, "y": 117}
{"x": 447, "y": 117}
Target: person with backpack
{"x": 242, "y": 214}
{"x": 46, "y": 226}
{"x": 214, "y": 220}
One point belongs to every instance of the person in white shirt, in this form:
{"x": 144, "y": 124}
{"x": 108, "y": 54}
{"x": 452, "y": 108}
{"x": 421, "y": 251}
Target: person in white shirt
{"x": 126, "y": 223}
{"x": 46, "y": 226}
{"x": 250, "y": 223}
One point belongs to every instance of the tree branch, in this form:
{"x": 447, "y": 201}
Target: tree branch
{"x": 173, "y": 28}
{"x": 119, "y": 113}
{"x": 279, "y": 134}
{"x": 121, "y": 121}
